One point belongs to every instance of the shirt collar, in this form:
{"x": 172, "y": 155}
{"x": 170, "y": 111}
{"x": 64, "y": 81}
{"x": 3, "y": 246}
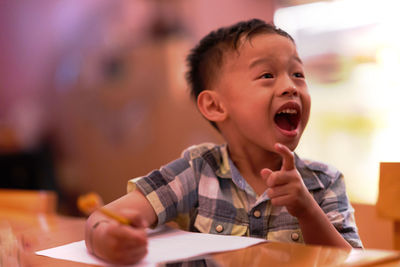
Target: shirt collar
{"x": 224, "y": 170}
{"x": 307, "y": 171}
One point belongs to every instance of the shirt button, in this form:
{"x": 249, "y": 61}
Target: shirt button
{"x": 219, "y": 228}
{"x": 257, "y": 214}
{"x": 295, "y": 236}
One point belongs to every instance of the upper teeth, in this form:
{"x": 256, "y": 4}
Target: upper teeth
{"x": 288, "y": 111}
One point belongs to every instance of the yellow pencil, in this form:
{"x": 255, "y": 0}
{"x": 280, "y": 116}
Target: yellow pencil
{"x": 114, "y": 216}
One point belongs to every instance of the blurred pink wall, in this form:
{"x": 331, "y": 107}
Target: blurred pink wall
{"x": 203, "y": 16}
{"x": 104, "y": 79}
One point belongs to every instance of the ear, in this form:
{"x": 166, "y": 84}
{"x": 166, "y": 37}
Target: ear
{"x": 211, "y": 106}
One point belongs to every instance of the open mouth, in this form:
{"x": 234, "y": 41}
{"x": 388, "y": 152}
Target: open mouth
{"x": 288, "y": 117}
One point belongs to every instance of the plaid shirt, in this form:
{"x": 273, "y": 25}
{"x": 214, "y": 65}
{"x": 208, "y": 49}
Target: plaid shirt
{"x": 204, "y": 192}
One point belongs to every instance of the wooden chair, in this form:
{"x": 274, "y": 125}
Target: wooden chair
{"x": 32, "y": 201}
{"x": 388, "y": 204}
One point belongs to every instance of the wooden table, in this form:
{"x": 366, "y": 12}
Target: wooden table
{"x": 41, "y": 231}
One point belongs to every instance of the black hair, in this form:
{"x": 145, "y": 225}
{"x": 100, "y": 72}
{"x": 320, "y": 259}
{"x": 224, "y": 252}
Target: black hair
{"x": 207, "y": 56}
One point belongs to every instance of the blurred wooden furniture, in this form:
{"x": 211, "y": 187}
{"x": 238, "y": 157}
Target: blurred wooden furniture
{"x": 28, "y": 200}
{"x": 33, "y": 221}
{"x": 389, "y": 196}
{"x": 38, "y": 231}
{"x": 50, "y": 230}
{"x": 368, "y": 221}
{"x": 298, "y": 255}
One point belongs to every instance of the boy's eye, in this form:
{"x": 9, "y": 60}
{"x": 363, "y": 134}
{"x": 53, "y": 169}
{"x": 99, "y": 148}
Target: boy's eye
{"x": 298, "y": 75}
{"x": 267, "y": 76}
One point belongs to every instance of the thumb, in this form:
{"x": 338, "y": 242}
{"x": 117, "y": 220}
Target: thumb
{"x": 265, "y": 173}
{"x": 136, "y": 219}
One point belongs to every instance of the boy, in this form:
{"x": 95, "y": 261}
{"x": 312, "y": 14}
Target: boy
{"x": 248, "y": 81}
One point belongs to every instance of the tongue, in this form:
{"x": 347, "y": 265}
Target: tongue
{"x": 284, "y": 122}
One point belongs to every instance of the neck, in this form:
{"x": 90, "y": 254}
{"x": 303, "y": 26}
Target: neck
{"x": 252, "y": 161}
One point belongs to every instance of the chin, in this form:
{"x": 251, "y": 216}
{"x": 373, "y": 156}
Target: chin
{"x": 292, "y": 145}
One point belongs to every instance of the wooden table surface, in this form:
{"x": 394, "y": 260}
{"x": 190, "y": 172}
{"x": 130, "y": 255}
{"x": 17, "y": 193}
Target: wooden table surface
{"x": 41, "y": 231}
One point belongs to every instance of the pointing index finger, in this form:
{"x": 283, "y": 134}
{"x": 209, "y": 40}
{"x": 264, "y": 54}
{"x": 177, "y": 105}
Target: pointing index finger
{"x": 287, "y": 157}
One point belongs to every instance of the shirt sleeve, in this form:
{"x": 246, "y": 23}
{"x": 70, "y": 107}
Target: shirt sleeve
{"x": 171, "y": 190}
{"x": 337, "y": 207}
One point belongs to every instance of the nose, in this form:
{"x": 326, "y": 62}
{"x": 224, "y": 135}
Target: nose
{"x": 287, "y": 86}
{"x": 287, "y": 89}
{"x": 290, "y": 90}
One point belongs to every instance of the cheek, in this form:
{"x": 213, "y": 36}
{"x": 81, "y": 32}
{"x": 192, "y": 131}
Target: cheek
{"x": 247, "y": 113}
{"x": 251, "y": 104}
{"x": 306, "y": 109}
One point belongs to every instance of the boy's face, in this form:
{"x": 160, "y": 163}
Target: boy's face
{"x": 264, "y": 92}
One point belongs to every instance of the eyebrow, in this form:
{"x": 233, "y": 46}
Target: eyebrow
{"x": 265, "y": 60}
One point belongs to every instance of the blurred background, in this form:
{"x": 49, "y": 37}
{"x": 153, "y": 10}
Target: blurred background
{"x": 92, "y": 93}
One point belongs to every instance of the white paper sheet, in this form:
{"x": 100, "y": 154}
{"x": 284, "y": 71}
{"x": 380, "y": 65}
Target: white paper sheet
{"x": 165, "y": 246}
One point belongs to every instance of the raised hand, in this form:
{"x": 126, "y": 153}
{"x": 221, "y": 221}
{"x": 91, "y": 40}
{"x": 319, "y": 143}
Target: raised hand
{"x": 285, "y": 186}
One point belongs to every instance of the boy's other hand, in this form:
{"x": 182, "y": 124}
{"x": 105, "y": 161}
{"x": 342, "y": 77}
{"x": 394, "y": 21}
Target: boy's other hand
{"x": 285, "y": 186}
{"x": 121, "y": 244}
